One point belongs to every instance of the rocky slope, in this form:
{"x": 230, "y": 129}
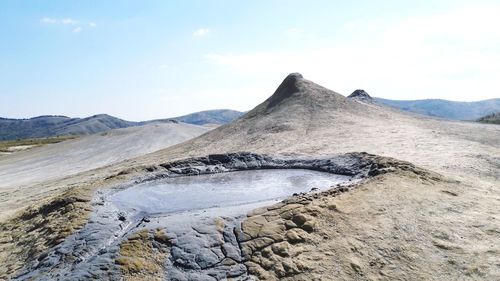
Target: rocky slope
{"x": 408, "y": 223}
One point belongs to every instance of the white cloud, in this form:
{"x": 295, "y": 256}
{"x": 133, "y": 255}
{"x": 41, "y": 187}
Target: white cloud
{"x": 163, "y": 66}
{"x": 69, "y": 21}
{"x": 201, "y": 32}
{"x": 441, "y": 56}
{"x": 65, "y": 21}
{"x": 48, "y": 20}
{"x": 293, "y": 31}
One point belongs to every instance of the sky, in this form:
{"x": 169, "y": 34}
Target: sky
{"x": 141, "y": 60}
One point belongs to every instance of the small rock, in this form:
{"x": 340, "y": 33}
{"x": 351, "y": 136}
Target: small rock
{"x": 281, "y": 249}
{"x": 261, "y": 242}
{"x": 289, "y": 267}
{"x": 267, "y": 252}
{"x": 299, "y": 219}
{"x": 290, "y": 224}
{"x": 309, "y": 226}
{"x": 296, "y": 235}
{"x": 288, "y": 215}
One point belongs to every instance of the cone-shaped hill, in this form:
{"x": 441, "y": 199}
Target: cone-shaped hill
{"x": 297, "y": 111}
{"x": 302, "y": 117}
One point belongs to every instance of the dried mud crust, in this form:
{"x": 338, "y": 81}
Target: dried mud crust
{"x": 28, "y": 236}
{"x": 293, "y": 240}
{"x": 403, "y": 225}
{"x": 268, "y": 241}
{"x": 358, "y": 165}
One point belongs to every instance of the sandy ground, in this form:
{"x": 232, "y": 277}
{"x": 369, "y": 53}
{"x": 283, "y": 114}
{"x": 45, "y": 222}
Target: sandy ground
{"x": 394, "y": 227}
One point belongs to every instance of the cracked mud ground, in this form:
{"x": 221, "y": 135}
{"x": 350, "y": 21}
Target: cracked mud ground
{"x": 198, "y": 248}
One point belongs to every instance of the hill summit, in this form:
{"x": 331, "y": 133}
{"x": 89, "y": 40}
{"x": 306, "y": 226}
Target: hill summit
{"x": 361, "y": 95}
{"x": 299, "y": 112}
{"x": 287, "y": 88}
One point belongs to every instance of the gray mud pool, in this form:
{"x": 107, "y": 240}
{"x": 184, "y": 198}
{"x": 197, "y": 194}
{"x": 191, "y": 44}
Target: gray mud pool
{"x": 186, "y": 208}
{"x": 223, "y": 189}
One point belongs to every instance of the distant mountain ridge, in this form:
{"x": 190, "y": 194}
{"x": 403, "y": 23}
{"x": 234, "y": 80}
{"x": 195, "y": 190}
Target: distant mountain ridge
{"x": 58, "y": 125}
{"x": 217, "y": 116}
{"x": 455, "y": 110}
{"x": 48, "y": 125}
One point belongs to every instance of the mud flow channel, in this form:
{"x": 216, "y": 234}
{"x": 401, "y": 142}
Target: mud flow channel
{"x": 223, "y": 189}
{"x": 186, "y": 208}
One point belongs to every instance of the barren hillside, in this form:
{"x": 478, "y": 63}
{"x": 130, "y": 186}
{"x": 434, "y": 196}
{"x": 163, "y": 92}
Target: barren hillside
{"x": 302, "y": 117}
{"x": 20, "y": 171}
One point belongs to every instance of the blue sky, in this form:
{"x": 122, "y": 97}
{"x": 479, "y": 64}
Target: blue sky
{"x": 142, "y": 60}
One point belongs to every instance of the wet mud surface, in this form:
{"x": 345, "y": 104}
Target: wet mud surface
{"x": 198, "y": 205}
